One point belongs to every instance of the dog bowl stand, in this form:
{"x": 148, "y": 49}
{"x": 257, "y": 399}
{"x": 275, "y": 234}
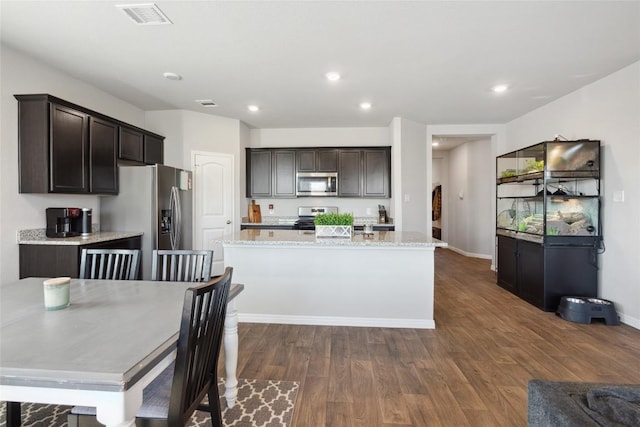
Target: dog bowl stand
{"x": 585, "y": 309}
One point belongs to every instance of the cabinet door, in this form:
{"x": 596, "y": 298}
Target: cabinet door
{"x": 103, "y": 160}
{"x": 259, "y": 173}
{"x": 306, "y": 160}
{"x": 349, "y": 167}
{"x": 68, "y": 151}
{"x": 284, "y": 173}
{"x": 131, "y": 144}
{"x": 376, "y": 173}
{"x": 327, "y": 160}
{"x": 531, "y": 272}
{"x": 507, "y": 263}
{"x": 153, "y": 150}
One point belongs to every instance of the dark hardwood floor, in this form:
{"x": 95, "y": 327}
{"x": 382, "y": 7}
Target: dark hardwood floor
{"x": 472, "y": 370}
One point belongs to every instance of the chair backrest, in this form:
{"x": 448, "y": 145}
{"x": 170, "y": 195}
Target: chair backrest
{"x": 110, "y": 264}
{"x": 181, "y": 265}
{"x": 199, "y": 343}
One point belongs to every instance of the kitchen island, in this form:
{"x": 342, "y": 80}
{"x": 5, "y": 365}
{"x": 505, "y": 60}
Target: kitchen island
{"x": 381, "y": 280}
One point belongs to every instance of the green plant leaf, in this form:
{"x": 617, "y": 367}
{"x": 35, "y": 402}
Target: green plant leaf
{"x": 334, "y": 219}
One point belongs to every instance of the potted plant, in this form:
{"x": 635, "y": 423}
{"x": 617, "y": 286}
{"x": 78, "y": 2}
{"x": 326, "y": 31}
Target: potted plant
{"x": 334, "y": 225}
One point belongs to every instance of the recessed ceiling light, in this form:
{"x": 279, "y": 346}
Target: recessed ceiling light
{"x": 435, "y": 143}
{"x": 333, "y": 76}
{"x": 500, "y": 88}
{"x": 172, "y": 76}
{"x": 206, "y": 103}
{"x": 365, "y": 105}
{"x": 253, "y": 108}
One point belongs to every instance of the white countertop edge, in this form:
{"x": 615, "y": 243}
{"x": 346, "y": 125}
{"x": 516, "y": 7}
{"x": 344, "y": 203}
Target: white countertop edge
{"x": 344, "y": 243}
{"x": 97, "y": 237}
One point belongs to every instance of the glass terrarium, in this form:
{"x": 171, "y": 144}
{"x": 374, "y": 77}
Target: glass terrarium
{"x": 581, "y": 157}
{"x": 549, "y": 189}
{"x": 521, "y": 164}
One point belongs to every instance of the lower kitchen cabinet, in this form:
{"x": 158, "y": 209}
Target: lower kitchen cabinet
{"x": 542, "y": 274}
{"x": 64, "y": 260}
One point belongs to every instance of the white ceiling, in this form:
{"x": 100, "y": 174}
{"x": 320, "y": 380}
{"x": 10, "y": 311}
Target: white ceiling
{"x": 429, "y": 61}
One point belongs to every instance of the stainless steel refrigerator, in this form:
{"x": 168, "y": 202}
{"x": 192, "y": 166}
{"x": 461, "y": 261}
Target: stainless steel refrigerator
{"x": 155, "y": 200}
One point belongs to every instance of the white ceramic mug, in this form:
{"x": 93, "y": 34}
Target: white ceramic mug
{"x": 56, "y": 293}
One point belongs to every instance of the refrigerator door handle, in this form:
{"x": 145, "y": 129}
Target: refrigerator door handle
{"x": 178, "y": 215}
{"x": 174, "y": 220}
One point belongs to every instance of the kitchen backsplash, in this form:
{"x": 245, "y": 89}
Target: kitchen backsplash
{"x": 289, "y": 207}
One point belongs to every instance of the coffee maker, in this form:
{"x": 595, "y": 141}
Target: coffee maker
{"x": 68, "y": 222}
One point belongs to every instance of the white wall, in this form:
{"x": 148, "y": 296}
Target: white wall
{"x": 20, "y": 74}
{"x": 319, "y": 137}
{"x": 413, "y": 177}
{"x": 609, "y": 110}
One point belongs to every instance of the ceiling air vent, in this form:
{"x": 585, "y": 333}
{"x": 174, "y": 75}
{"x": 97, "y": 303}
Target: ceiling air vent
{"x": 206, "y": 102}
{"x": 145, "y": 14}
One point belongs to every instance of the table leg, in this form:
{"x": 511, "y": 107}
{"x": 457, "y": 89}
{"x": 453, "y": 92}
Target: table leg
{"x": 13, "y": 414}
{"x": 231, "y": 353}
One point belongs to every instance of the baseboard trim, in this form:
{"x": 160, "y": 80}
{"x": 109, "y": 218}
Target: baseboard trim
{"x": 469, "y": 254}
{"x": 337, "y": 321}
{"x": 628, "y": 320}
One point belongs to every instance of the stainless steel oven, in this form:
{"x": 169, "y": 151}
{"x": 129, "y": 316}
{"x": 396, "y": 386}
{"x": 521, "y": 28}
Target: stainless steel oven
{"x": 317, "y": 184}
{"x": 307, "y": 214}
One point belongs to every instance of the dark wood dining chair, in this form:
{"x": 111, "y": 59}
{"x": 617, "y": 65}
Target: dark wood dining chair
{"x": 178, "y": 391}
{"x": 181, "y": 265}
{"x": 110, "y": 264}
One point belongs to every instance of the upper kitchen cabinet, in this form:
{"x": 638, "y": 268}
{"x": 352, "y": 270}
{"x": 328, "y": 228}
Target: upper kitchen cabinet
{"x": 140, "y": 147}
{"x": 376, "y": 173}
{"x": 103, "y": 160}
{"x": 317, "y": 160}
{"x": 153, "y": 149}
{"x": 66, "y": 148}
{"x": 350, "y": 173}
{"x": 284, "y": 173}
{"x": 364, "y": 173}
{"x": 258, "y": 173}
{"x": 53, "y": 146}
{"x": 131, "y": 144}
{"x": 271, "y": 173}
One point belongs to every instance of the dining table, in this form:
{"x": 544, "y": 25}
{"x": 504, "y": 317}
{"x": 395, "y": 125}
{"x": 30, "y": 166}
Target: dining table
{"x": 112, "y": 340}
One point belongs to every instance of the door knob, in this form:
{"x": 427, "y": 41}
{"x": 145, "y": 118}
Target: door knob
{"x": 228, "y": 221}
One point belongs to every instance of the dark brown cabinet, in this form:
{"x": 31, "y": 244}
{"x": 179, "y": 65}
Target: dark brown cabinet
{"x": 376, "y": 173}
{"x": 317, "y": 160}
{"x": 103, "y": 160}
{"x": 140, "y": 147}
{"x": 362, "y": 172}
{"x": 68, "y": 150}
{"x": 65, "y": 148}
{"x": 131, "y": 145}
{"x": 64, "y": 260}
{"x": 153, "y": 149}
{"x": 271, "y": 173}
{"x": 350, "y": 173}
{"x": 258, "y": 173}
{"x": 284, "y": 173}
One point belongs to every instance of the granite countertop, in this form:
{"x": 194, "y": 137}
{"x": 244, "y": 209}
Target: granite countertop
{"x": 38, "y": 237}
{"x": 308, "y": 238}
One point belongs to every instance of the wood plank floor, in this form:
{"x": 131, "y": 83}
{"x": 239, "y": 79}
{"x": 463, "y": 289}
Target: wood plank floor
{"x": 472, "y": 370}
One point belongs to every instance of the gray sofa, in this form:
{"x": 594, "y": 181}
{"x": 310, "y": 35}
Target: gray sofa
{"x": 575, "y": 404}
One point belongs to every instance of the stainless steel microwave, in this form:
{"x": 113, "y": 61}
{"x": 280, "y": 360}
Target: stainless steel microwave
{"x": 317, "y": 184}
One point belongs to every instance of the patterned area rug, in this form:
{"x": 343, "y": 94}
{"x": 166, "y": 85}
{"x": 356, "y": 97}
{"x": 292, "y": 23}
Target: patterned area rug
{"x": 260, "y": 403}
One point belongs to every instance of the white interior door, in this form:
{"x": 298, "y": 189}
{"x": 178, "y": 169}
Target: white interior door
{"x": 213, "y": 203}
